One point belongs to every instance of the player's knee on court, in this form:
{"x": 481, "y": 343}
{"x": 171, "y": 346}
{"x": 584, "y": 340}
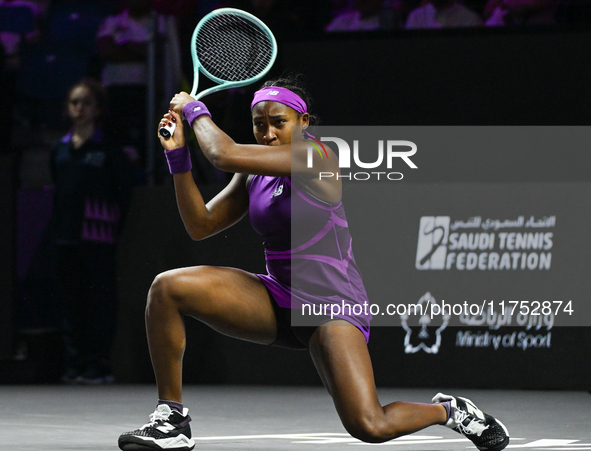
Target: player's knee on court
{"x": 368, "y": 429}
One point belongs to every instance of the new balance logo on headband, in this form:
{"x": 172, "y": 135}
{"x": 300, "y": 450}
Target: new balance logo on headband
{"x": 272, "y": 93}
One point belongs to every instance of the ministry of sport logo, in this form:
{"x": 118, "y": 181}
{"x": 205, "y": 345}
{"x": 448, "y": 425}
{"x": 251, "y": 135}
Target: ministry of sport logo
{"x": 485, "y": 245}
{"x": 423, "y": 333}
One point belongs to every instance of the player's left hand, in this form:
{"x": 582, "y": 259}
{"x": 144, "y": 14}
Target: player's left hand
{"x": 179, "y": 101}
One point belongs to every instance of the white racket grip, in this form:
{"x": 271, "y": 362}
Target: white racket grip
{"x": 167, "y": 131}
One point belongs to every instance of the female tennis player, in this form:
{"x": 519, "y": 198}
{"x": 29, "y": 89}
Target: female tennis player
{"x": 273, "y": 183}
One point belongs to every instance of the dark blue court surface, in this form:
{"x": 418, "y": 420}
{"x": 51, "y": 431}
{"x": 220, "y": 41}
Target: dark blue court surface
{"x": 271, "y": 418}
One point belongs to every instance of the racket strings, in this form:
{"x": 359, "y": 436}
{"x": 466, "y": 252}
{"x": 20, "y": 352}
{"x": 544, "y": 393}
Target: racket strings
{"x": 233, "y": 48}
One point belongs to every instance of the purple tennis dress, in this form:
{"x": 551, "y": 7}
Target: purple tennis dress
{"x": 307, "y": 251}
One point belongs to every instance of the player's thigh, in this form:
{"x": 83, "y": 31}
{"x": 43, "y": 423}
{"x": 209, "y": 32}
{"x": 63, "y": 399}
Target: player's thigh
{"x": 231, "y": 301}
{"x": 340, "y": 354}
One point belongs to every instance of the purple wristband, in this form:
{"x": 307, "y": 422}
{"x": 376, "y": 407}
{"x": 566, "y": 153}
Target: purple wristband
{"x": 179, "y": 160}
{"x": 193, "y": 110}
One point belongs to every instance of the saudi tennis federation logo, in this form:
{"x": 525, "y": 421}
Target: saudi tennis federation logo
{"x": 432, "y": 244}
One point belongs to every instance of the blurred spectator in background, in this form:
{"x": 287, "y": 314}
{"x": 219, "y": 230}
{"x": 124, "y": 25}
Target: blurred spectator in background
{"x": 520, "y": 12}
{"x": 286, "y": 18}
{"x": 442, "y": 14}
{"x": 122, "y": 44}
{"x": 12, "y": 41}
{"x": 358, "y": 15}
{"x": 11, "y": 45}
{"x": 364, "y": 16}
{"x": 92, "y": 187}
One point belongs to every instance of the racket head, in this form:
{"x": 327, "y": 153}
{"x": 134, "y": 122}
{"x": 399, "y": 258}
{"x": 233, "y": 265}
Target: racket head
{"x": 232, "y": 48}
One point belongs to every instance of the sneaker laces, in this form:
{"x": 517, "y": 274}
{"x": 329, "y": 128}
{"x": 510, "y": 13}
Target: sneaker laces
{"x": 156, "y": 416}
{"x": 474, "y": 427}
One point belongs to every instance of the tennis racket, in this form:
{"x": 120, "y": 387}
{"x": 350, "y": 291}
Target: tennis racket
{"x": 232, "y": 48}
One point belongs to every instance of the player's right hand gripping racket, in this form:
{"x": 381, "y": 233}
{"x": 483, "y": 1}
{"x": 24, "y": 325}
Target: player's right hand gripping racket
{"x": 231, "y": 47}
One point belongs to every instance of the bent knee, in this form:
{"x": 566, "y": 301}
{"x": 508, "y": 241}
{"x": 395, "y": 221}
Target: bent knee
{"x": 170, "y": 285}
{"x": 370, "y": 429}
{"x": 162, "y": 286}
{"x": 185, "y": 288}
